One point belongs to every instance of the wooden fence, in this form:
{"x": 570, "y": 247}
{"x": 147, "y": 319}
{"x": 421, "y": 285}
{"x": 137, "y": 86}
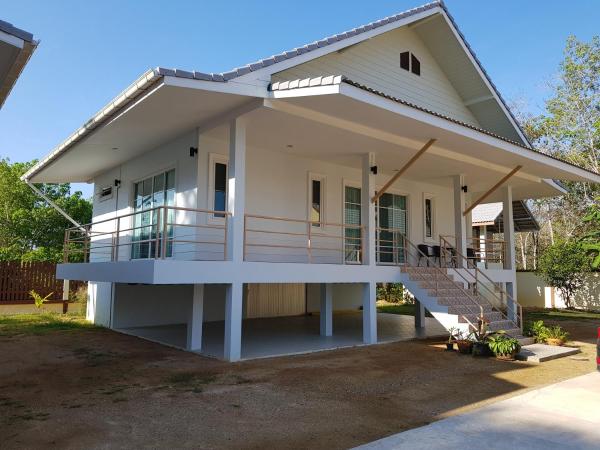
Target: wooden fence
{"x": 18, "y": 278}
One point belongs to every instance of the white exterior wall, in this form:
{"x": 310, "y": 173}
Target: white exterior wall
{"x": 277, "y": 185}
{"x": 376, "y": 64}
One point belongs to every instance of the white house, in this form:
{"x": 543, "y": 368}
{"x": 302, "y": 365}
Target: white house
{"x": 296, "y": 183}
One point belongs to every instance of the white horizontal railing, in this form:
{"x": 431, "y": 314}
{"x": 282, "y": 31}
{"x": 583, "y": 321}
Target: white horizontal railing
{"x": 281, "y": 239}
{"x": 156, "y": 233}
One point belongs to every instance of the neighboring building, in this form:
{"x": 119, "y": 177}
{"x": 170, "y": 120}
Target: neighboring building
{"x": 487, "y": 223}
{"x": 295, "y": 184}
{"x": 16, "y": 47}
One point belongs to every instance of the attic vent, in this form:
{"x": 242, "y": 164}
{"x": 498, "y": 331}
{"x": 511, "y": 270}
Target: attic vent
{"x": 409, "y": 62}
{"x": 105, "y": 193}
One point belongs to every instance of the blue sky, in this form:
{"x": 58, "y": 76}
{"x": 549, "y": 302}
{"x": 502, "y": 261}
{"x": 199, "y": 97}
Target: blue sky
{"x": 91, "y": 50}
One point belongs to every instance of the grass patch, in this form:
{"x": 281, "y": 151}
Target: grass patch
{"x": 36, "y": 324}
{"x": 191, "y": 381}
{"x": 559, "y": 314}
{"x": 403, "y": 309}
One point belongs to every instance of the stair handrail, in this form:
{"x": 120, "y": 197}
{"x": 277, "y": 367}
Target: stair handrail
{"x": 519, "y": 322}
{"x": 445, "y": 274}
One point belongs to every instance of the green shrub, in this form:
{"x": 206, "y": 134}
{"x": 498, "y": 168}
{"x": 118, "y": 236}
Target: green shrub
{"x": 503, "y": 345}
{"x": 537, "y": 330}
{"x": 556, "y": 332}
{"x": 38, "y": 299}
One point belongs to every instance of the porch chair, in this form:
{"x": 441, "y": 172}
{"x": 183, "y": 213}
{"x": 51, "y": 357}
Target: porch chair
{"x": 425, "y": 251}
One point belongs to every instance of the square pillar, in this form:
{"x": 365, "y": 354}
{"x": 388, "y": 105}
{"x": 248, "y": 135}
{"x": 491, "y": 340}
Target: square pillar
{"x": 326, "y": 311}
{"x": 367, "y": 212}
{"x": 195, "y": 318}
{"x": 419, "y": 314}
{"x": 236, "y": 195}
{"x": 460, "y": 222}
{"x": 509, "y": 228}
{"x": 369, "y": 313}
{"x": 234, "y": 294}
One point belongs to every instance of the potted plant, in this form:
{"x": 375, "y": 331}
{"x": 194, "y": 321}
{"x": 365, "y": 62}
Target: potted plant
{"x": 556, "y": 336}
{"x": 504, "y": 347}
{"x": 479, "y": 337}
{"x": 451, "y": 339}
{"x": 464, "y": 344}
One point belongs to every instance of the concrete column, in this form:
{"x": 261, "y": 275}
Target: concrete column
{"x": 419, "y": 314}
{"x": 369, "y": 313}
{"x": 234, "y": 294}
{"x": 236, "y": 195}
{"x": 509, "y": 249}
{"x": 326, "y": 311}
{"x": 195, "y": 318}
{"x": 367, "y": 213}
{"x": 509, "y": 228}
{"x": 460, "y": 223}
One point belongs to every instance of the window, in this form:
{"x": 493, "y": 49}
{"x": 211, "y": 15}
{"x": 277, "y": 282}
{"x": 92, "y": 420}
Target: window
{"x": 217, "y": 180}
{"x": 149, "y": 194}
{"x": 428, "y": 219}
{"x": 352, "y": 211}
{"x": 392, "y": 224}
{"x": 410, "y": 62}
{"x": 316, "y": 203}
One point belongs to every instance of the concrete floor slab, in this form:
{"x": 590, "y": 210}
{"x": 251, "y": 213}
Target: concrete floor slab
{"x": 565, "y": 415}
{"x": 292, "y": 335}
{"x": 537, "y": 353}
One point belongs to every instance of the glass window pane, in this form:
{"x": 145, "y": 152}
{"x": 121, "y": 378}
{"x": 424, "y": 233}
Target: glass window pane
{"x": 315, "y": 213}
{"x": 220, "y": 177}
{"x": 428, "y": 221}
{"x": 171, "y": 179}
{"x": 159, "y": 190}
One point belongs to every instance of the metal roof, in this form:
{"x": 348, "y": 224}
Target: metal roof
{"x": 11, "y": 29}
{"x": 490, "y": 215}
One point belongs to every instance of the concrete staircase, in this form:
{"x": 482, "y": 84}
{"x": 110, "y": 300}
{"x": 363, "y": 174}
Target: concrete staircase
{"x": 451, "y": 302}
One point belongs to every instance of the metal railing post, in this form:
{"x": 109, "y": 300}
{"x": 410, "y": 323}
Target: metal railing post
{"x": 157, "y": 231}
{"x": 309, "y": 242}
{"x": 116, "y": 247}
{"x": 86, "y": 244}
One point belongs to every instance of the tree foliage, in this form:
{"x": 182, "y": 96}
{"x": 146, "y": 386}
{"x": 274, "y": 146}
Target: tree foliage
{"x": 30, "y": 229}
{"x": 569, "y": 129}
{"x": 591, "y": 239}
{"x": 563, "y": 266}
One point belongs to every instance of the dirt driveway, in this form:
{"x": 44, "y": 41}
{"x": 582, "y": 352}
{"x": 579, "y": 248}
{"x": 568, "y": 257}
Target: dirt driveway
{"x": 91, "y": 388}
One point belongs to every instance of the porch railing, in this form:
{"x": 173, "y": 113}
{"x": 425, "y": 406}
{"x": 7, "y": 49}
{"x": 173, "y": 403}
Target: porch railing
{"x": 156, "y": 233}
{"x": 489, "y": 253}
{"x": 280, "y": 239}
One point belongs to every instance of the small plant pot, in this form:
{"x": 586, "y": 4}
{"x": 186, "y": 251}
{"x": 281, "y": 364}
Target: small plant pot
{"x": 465, "y": 347}
{"x": 555, "y": 341}
{"x": 481, "y": 349}
{"x": 510, "y": 357}
{"x": 449, "y": 346}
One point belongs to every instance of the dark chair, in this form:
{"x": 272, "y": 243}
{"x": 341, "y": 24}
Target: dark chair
{"x": 437, "y": 252}
{"x": 471, "y": 255}
{"x": 425, "y": 251}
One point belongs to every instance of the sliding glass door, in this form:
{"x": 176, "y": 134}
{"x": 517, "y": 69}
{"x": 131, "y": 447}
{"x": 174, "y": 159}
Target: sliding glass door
{"x": 150, "y": 193}
{"x": 392, "y": 226}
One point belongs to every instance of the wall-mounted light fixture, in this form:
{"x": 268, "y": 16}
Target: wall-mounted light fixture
{"x": 374, "y": 170}
{"x": 117, "y": 183}
{"x": 193, "y": 151}
{"x": 465, "y": 189}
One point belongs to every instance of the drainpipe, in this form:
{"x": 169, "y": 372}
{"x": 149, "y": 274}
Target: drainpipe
{"x": 65, "y": 293}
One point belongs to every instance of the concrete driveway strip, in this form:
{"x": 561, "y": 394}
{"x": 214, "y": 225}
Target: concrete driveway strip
{"x": 565, "y": 415}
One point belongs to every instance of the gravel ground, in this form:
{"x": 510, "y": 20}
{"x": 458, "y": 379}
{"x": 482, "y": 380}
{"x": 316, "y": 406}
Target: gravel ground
{"x": 94, "y": 388}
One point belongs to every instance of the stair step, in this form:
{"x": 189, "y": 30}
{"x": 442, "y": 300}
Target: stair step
{"x": 473, "y": 317}
{"x": 467, "y": 309}
{"x": 439, "y": 284}
{"x": 504, "y": 325}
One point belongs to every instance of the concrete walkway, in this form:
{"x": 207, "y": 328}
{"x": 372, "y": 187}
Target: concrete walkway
{"x": 565, "y": 415}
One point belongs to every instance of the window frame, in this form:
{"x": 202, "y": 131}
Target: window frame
{"x": 213, "y": 160}
{"x": 131, "y": 203}
{"x": 431, "y": 198}
{"x": 353, "y": 184}
{"x": 312, "y": 176}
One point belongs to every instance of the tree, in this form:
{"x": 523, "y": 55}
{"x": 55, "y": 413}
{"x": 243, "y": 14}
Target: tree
{"x": 591, "y": 240}
{"x": 563, "y": 266}
{"x": 30, "y": 229}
